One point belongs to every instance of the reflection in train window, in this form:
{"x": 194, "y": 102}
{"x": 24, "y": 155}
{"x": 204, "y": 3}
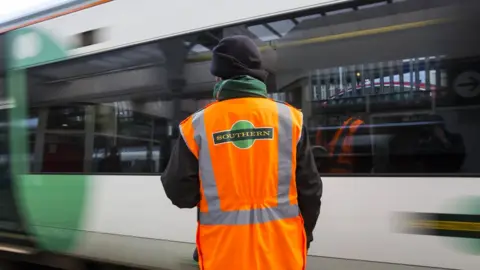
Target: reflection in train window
{"x": 125, "y": 155}
{"x": 66, "y": 118}
{"x": 63, "y": 153}
{"x": 384, "y": 89}
{"x": 372, "y": 104}
{"x": 129, "y": 137}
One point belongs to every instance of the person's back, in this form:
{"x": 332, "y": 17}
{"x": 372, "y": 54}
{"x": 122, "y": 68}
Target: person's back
{"x": 246, "y": 156}
{"x": 242, "y": 161}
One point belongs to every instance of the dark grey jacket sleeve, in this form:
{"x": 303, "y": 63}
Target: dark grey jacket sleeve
{"x": 309, "y": 185}
{"x": 180, "y": 179}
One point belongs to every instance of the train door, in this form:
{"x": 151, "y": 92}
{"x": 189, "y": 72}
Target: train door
{"x": 13, "y": 235}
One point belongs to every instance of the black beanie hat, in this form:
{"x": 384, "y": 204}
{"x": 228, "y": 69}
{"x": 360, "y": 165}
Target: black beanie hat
{"x": 237, "y": 55}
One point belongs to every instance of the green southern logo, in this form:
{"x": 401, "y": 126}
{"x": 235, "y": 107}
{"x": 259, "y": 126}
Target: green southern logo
{"x": 243, "y": 134}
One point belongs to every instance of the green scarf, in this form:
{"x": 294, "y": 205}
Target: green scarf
{"x": 240, "y": 86}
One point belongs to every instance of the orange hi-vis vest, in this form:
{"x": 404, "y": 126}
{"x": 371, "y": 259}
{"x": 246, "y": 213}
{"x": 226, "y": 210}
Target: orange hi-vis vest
{"x": 340, "y": 147}
{"x": 249, "y": 215}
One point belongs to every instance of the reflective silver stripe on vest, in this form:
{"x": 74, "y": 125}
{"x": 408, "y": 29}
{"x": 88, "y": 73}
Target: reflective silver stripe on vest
{"x": 245, "y": 217}
{"x": 215, "y": 215}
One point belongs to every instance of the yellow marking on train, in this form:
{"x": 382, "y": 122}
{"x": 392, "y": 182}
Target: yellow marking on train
{"x": 445, "y": 225}
{"x": 366, "y": 32}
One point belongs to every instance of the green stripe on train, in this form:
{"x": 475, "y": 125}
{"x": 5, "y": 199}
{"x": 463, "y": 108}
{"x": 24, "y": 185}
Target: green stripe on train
{"x": 52, "y": 205}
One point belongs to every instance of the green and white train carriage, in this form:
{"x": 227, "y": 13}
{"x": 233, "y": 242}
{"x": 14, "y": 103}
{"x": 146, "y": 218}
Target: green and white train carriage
{"x": 91, "y": 102}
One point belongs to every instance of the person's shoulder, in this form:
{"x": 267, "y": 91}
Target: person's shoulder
{"x": 287, "y": 104}
{"x": 198, "y": 112}
{"x": 295, "y": 112}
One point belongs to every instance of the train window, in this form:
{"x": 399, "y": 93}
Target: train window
{"x": 66, "y": 118}
{"x": 129, "y": 137}
{"x": 93, "y": 133}
{"x": 113, "y": 113}
{"x": 63, "y": 153}
{"x": 384, "y": 89}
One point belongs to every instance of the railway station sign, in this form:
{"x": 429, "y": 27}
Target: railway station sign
{"x": 467, "y": 84}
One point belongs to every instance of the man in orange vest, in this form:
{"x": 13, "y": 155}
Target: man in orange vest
{"x": 245, "y": 161}
{"x": 349, "y": 153}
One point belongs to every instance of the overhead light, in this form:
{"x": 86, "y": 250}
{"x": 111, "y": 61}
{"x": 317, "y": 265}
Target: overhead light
{"x": 282, "y": 27}
{"x": 198, "y": 48}
{"x": 262, "y": 33}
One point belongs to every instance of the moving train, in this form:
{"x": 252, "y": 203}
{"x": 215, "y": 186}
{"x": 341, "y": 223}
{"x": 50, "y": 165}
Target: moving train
{"x": 91, "y": 101}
